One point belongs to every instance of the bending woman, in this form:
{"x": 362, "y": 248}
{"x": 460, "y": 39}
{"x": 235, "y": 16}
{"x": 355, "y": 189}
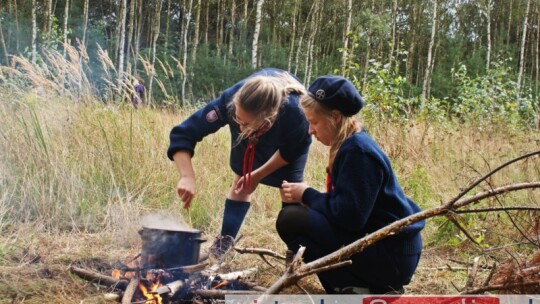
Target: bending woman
{"x": 269, "y": 143}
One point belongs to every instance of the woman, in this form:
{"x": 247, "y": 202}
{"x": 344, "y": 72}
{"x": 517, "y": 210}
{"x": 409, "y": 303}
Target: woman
{"x": 363, "y": 195}
{"x": 269, "y": 143}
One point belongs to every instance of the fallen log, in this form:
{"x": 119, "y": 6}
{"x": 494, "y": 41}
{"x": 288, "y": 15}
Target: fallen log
{"x": 99, "y": 278}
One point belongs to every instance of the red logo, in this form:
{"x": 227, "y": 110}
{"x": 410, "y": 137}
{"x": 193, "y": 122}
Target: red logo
{"x": 211, "y": 116}
{"x": 430, "y": 300}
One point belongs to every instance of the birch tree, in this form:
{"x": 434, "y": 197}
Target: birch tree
{"x": 488, "y": 8}
{"x": 3, "y": 42}
{"x": 85, "y": 21}
{"x": 196, "y": 33}
{"x": 427, "y": 74}
{"x": 122, "y": 40}
{"x": 293, "y": 33}
{"x": 131, "y": 30}
{"x": 185, "y": 55}
{"x": 523, "y": 41}
{"x": 34, "y": 32}
{"x": 47, "y": 17}
{"x": 66, "y": 17}
{"x": 155, "y": 35}
{"x": 345, "y": 53}
{"x": 232, "y": 27}
{"x": 255, "y": 44}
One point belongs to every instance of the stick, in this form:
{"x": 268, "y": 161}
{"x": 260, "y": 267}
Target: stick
{"x": 98, "y": 278}
{"x": 131, "y": 289}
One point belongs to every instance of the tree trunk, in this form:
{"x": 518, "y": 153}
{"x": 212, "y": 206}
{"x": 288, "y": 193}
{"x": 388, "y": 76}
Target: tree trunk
{"x": 155, "y": 35}
{"x": 301, "y": 39}
{"x": 66, "y": 17}
{"x": 184, "y": 61}
{"x": 523, "y": 42}
{"x": 393, "y": 42}
{"x": 293, "y": 31}
{"x": 47, "y": 17}
{"x": 345, "y": 53}
{"x": 207, "y": 22}
{"x": 4, "y": 48}
{"x": 34, "y": 32}
{"x": 427, "y": 74}
{"x": 167, "y": 25}
{"x": 196, "y": 32}
{"x": 129, "y": 43}
{"x": 232, "y": 28}
{"x": 219, "y": 28}
{"x": 121, "y": 42}
{"x": 138, "y": 33}
{"x": 488, "y": 16}
{"x": 85, "y": 21}
{"x": 537, "y": 47}
{"x": 256, "y": 34}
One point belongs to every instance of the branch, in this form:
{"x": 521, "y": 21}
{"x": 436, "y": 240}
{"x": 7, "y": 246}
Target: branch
{"x": 259, "y": 251}
{"x": 391, "y": 229}
{"x": 501, "y": 287}
{"x": 479, "y": 210}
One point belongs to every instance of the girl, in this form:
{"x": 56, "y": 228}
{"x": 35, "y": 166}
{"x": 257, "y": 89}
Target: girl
{"x": 362, "y": 195}
{"x": 269, "y": 143}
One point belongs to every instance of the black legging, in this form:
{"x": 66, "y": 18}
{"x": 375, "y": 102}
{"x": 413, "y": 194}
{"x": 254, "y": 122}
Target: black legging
{"x": 378, "y": 267}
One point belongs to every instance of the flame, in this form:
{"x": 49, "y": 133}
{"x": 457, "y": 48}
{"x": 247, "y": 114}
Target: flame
{"x": 221, "y": 284}
{"x": 151, "y": 298}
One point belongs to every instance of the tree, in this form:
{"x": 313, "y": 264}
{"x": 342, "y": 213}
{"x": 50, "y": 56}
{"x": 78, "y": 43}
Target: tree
{"x": 346, "y": 42}
{"x": 255, "y": 45}
{"x": 34, "y": 32}
{"x": 523, "y": 41}
{"x": 121, "y": 43}
{"x": 155, "y": 35}
{"x": 66, "y": 17}
{"x": 427, "y": 74}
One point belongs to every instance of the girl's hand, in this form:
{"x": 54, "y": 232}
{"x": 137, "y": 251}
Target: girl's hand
{"x": 241, "y": 188}
{"x": 186, "y": 190}
{"x": 293, "y": 191}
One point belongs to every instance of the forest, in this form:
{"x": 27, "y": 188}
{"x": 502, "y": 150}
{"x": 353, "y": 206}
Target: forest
{"x": 468, "y": 59}
{"x": 451, "y": 95}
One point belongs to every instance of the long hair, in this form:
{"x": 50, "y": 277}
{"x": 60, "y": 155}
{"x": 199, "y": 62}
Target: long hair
{"x": 263, "y": 96}
{"x": 346, "y": 127}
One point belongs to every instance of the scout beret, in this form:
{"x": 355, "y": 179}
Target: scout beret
{"x": 336, "y": 93}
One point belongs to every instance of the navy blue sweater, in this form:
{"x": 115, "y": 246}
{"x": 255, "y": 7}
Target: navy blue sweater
{"x": 365, "y": 192}
{"x": 288, "y": 134}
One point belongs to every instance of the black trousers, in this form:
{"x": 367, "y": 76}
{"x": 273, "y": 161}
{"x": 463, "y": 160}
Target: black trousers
{"x": 381, "y": 267}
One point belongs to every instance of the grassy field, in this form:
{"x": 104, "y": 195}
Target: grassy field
{"x": 76, "y": 181}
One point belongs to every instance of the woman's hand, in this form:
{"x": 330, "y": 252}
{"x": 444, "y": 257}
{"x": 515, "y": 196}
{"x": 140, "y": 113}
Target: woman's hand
{"x": 241, "y": 187}
{"x": 293, "y": 191}
{"x": 186, "y": 190}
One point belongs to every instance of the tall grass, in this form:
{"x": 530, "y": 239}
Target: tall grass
{"x": 78, "y": 168}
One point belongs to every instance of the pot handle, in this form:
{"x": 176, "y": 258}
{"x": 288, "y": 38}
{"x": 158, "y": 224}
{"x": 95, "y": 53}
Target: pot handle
{"x": 200, "y": 240}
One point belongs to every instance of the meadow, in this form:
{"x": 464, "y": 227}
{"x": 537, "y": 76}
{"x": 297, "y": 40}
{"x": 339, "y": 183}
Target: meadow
{"x": 77, "y": 179}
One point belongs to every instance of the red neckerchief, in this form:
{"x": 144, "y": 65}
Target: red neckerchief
{"x": 328, "y": 180}
{"x": 249, "y": 154}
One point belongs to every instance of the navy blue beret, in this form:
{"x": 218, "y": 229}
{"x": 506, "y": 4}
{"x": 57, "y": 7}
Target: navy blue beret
{"x": 336, "y": 93}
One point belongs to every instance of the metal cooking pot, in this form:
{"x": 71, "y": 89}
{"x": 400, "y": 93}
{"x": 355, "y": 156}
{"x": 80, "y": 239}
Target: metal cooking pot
{"x": 170, "y": 248}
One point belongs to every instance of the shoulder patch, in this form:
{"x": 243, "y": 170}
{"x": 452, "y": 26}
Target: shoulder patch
{"x": 211, "y": 116}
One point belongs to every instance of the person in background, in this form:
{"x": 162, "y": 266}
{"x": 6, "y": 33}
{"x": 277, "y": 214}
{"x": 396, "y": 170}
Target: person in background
{"x": 362, "y": 196}
{"x": 137, "y": 97}
{"x": 269, "y": 143}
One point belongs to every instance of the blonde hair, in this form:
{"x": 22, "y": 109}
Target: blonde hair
{"x": 263, "y": 96}
{"x": 347, "y": 126}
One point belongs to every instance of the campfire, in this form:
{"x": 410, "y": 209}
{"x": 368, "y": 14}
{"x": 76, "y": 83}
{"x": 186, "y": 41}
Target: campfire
{"x": 169, "y": 269}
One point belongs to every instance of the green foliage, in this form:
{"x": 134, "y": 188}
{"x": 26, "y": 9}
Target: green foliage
{"x": 493, "y": 98}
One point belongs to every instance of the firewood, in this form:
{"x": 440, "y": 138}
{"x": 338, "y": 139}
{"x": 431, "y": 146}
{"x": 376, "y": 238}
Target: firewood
{"x": 131, "y": 289}
{"x": 99, "y": 278}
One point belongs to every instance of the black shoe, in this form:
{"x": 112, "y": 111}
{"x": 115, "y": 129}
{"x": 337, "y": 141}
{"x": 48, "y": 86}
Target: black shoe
{"x": 353, "y": 290}
{"x": 222, "y": 244}
{"x": 289, "y": 256}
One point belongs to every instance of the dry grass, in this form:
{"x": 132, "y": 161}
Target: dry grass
{"x": 76, "y": 179}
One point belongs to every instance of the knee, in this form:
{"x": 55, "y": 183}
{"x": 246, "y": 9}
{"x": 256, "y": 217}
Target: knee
{"x": 292, "y": 222}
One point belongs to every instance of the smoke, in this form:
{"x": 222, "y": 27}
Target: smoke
{"x": 165, "y": 221}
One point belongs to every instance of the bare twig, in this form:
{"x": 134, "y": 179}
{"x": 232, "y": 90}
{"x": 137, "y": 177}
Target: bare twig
{"x": 501, "y": 287}
{"x": 472, "y": 274}
{"x": 480, "y": 210}
{"x": 260, "y": 251}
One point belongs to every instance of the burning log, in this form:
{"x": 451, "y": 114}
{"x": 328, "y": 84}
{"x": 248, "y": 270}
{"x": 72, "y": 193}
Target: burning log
{"x": 169, "y": 289}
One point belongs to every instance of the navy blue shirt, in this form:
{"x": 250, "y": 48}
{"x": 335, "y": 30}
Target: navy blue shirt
{"x": 288, "y": 134}
{"x": 365, "y": 195}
